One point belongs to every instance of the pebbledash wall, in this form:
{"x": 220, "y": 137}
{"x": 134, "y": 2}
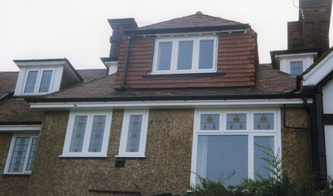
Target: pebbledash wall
{"x": 166, "y": 167}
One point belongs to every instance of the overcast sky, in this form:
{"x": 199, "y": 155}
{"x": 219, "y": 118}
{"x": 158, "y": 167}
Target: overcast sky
{"x": 78, "y": 29}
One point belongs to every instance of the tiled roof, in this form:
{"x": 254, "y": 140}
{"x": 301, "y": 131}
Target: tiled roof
{"x": 268, "y": 82}
{"x": 318, "y": 60}
{"x": 18, "y": 110}
{"x": 195, "y": 20}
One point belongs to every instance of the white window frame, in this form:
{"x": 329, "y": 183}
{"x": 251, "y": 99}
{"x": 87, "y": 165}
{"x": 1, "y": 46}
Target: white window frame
{"x": 295, "y": 61}
{"x": 124, "y": 134}
{"x": 195, "y": 55}
{"x": 11, "y": 149}
{"x": 86, "y": 141}
{"x": 249, "y": 131}
{"x": 38, "y": 81}
{"x": 286, "y": 59}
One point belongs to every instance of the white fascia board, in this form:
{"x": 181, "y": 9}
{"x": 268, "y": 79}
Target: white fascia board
{"x": 319, "y": 72}
{"x": 309, "y": 54}
{"x": 19, "y": 128}
{"x": 166, "y": 104}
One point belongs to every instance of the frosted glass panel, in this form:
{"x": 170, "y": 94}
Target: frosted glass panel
{"x": 206, "y": 54}
{"x": 78, "y": 134}
{"x": 45, "y": 82}
{"x": 209, "y": 121}
{"x": 32, "y": 154}
{"x": 221, "y": 155}
{"x": 31, "y": 82}
{"x": 97, "y": 132}
{"x": 236, "y": 121}
{"x": 134, "y": 133}
{"x": 185, "y": 52}
{"x": 164, "y": 55}
{"x": 259, "y": 163}
{"x": 264, "y": 121}
{"x": 19, "y": 154}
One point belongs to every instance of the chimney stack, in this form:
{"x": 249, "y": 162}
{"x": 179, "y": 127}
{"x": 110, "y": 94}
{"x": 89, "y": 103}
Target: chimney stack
{"x": 312, "y": 30}
{"x": 119, "y": 26}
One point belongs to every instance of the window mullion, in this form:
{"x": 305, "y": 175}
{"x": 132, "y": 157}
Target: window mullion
{"x": 174, "y": 55}
{"x": 87, "y": 134}
{"x": 27, "y": 156}
{"x": 250, "y": 156}
{"x": 195, "y": 57}
{"x": 38, "y": 81}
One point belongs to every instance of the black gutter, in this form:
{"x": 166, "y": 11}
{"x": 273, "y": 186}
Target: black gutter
{"x": 126, "y": 59}
{"x": 115, "y": 192}
{"x": 21, "y": 123}
{"x": 167, "y": 98}
{"x": 189, "y": 29}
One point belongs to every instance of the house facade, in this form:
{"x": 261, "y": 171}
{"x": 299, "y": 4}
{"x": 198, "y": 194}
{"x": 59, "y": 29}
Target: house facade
{"x": 177, "y": 99}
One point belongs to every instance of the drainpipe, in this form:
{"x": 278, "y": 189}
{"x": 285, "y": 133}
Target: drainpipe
{"x": 321, "y": 137}
{"x": 126, "y": 59}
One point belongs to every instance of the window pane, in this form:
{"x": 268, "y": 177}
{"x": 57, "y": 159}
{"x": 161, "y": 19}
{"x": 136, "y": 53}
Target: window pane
{"x": 221, "y": 155}
{"x": 97, "y": 133}
{"x": 32, "y": 153}
{"x": 164, "y": 56}
{"x": 236, "y": 121}
{"x": 78, "y": 134}
{"x": 46, "y": 80}
{"x": 19, "y": 154}
{"x": 206, "y": 54}
{"x": 260, "y": 165}
{"x": 31, "y": 82}
{"x": 185, "y": 52}
{"x": 209, "y": 122}
{"x": 134, "y": 132}
{"x": 296, "y": 68}
{"x": 263, "y": 121}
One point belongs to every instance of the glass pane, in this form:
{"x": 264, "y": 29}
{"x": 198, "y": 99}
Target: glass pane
{"x": 78, "y": 134}
{"x": 260, "y": 165}
{"x": 164, "y": 56}
{"x": 296, "y": 68}
{"x": 134, "y": 132}
{"x": 31, "y": 82}
{"x": 206, "y": 54}
{"x": 46, "y": 80}
{"x": 263, "y": 121}
{"x": 236, "y": 121}
{"x": 32, "y": 153}
{"x": 219, "y": 155}
{"x": 185, "y": 52}
{"x": 97, "y": 132}
{"x": 19, "y": 154}
{"x": 209, "y": 122}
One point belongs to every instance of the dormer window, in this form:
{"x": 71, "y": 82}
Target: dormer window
{"x": 296, "y": 68}
{"x": 185, "y": 55}
{"x": 38, "y": 81}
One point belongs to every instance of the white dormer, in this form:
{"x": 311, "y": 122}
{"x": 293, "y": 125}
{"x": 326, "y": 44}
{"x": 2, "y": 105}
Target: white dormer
{"x": 43, "y": 76}
{"x": 296, "y": 64}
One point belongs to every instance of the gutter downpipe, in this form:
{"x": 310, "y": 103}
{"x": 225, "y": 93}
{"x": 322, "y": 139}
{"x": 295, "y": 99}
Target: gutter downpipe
{"x": 126, "y": 59}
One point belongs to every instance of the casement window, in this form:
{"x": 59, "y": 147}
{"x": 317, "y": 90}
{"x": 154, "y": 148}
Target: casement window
{"x": 21, "y": 154}
{"x": 133, "y": 134}
{"x": 229, "y": 140}
{"x": 185, "y": 55}
{"x": 296, "y": 68}
{"x": 87, "y": 134}
{"x": 38, "y": 81}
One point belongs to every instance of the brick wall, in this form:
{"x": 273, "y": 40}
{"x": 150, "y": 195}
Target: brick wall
{"x": 237, "y": 57}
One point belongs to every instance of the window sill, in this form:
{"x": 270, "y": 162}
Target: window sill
{"x": 82, "y": 157}
{"x": 9, "y": 174}
{"x": 176, "y": 75}
{"x": 130, "y": 157}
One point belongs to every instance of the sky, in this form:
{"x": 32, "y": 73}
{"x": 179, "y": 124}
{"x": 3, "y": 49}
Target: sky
{"x": 78, "y": 29}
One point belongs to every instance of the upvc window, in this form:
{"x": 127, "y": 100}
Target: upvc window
{"x": 133, "y": 134}
{"x": 87, "y": 134}
{"x": 21, "y": 154}
{"x": 296, "y": 68}
{"x": 185, "y": 55}
{"x": 229, "y": 140}
{"x": 38, "y": 81}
